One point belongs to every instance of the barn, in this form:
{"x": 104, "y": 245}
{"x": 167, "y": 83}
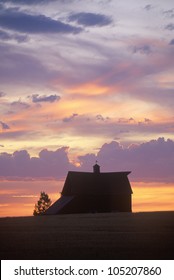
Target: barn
{"x": 92, "y": 192}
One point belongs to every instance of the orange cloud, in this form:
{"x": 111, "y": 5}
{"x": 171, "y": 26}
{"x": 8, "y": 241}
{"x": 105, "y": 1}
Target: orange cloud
{"x": 88, "y": 89}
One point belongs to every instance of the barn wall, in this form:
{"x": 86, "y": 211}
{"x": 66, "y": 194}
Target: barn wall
{"x": 98, "y": 203}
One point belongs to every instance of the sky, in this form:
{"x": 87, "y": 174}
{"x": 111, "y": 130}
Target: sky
{"x": 82, "y": 81}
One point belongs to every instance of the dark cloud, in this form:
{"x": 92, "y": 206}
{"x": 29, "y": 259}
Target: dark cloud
{"x": 171, "y": 42}
{"x": 100, "y": 118}
{"x": 169, "y": 13}
{"x": 6, "y": 36}
{"x": 69, "y": 119}
{"x": 90, "y": 19}
{"x": 20, "y": 21}
{"x": 4, "y": 125}
{"x": 43, "y": 98}
{"x": 145, "y": 49}
{"x": 148, "y": 7}
{"x": 170, "y": 26}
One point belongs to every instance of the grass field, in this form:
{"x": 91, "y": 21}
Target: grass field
{"x": 147, "y": 235}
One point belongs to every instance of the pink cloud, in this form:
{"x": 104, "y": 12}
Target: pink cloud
{"x": 150, "y": 161}
{"x": 49, "y": 164}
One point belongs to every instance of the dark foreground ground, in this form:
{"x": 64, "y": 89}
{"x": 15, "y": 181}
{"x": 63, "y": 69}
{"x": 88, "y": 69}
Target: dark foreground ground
{"x": 89, "y": 236}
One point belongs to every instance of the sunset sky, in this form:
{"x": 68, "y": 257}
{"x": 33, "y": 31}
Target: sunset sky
{"x": 82, "y": 81}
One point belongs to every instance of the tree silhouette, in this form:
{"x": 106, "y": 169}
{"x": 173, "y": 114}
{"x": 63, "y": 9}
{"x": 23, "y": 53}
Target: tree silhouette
{"x": 42, "y": 205}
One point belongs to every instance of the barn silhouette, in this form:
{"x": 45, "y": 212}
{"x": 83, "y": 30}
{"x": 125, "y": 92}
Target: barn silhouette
{"x": 91, "y": 192}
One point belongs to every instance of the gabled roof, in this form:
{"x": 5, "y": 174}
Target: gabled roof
{"x": 86, "y": 183}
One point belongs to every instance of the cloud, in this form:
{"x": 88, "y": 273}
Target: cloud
{"x": 169, "y": 13}
{"x": 148, "y": 7}
{"x": 29, "y": 2}
{"x": 17, "y": 20}
{"x": 124, "y": 120}
{"x": 20, "y": 134}
{"x": 90, "y": 19}
{"x": 43, "y": 98}
{"x": 123, "y": 74}
{"x": 20, "y": 38}
{"x": 4, "y": 125}
{"x": 99, "y": 117}
{"x": 2, "y": 94}
{"x": 19, "y": 105}
{"x": 87, "y": 161}
{"x": 150, "y": 161}
{"x": 147, "y": 120}
{"x": 22, "y": 68}
{"x": 6, "y": 36}
{"x": 69, "y": 119}
{"x": 171, "y": 42}
{"x": 49, "y": 164}
{"x": 145, "y": 49}
{"x": 170, "y": 26}
{"x": 103, "y": 127}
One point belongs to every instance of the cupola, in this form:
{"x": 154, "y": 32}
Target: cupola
{"x": 96, "y": 168}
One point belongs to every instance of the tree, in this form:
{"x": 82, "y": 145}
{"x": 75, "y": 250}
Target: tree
{"x": 42, "y": 205}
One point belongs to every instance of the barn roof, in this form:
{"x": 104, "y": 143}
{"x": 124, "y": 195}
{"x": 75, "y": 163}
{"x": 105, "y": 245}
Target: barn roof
{"x": 58, "y": 205}
{"x": 86, "y": 183}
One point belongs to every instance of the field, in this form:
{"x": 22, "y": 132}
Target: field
{"x": 147, "y": 235}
